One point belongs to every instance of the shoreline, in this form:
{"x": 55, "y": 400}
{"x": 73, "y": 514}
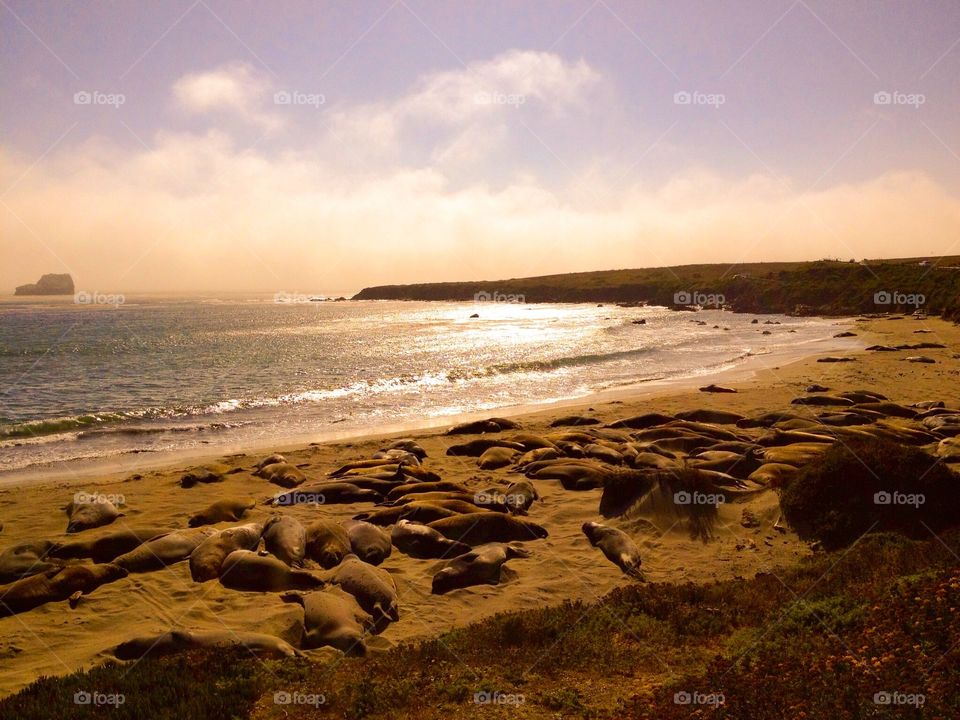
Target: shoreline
{"x": 113, "y": 467}
{"x": 562, "y": 567}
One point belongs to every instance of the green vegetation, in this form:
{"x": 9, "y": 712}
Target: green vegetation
{"x": 820, "y": 639}
{"x": 826, "y": 287}
{"x": 871, "y": 485}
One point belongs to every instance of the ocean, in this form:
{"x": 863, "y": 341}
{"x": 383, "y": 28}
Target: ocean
{"x": 171, "y": 373}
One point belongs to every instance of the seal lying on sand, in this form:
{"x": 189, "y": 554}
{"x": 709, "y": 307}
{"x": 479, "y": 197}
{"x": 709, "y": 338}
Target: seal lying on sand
{"x": 221, "y": 511}
{"x": 207, "y": 559}
{"x": 480, "y": 528}
{"x": 374, "y": 589}
{"x": 496, "y": 457}
{"x": 246, "y": 570}
{"x": 183, "y": 640}
{"x": 283, "y": 474}
{"x": 478, "y": 567}
{"x": 108, "y": 547}
{"x": 54, "y": 585}
{"x": 333, "y": 618}
{"x": 92, "y": 512}
{"x": 286, "y": 539}
{"x": 618, "y": 547}
{"x": 164, "y": 550}
{"x": 422, "y": 541}
{"x": 24, "y": 560}
{"x": 327, "y": 493}
{"x": 424, "y": 487}
{"x": 367, "y": 541}
{"x": 327, "y": 543}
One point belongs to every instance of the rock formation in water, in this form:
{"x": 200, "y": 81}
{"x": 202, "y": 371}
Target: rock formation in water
{"x": 49, "y": 284}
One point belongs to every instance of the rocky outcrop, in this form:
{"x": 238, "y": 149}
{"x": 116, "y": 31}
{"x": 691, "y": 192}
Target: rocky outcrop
{"x": 50, "y": 284}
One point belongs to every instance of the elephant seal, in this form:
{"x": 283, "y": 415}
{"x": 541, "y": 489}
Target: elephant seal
{"x": 410, "y": 445}
{"x": 774, "y": 475}
{"x": 283, "y": 474}
{"x": 496, "y": 457}
{"x": 24, "y": 560}
{"x": 88, "y": 511}
{"x": 490, "y": 425}
{"x": 56, "y": 584}
{"x": 286, "y": 539}
{"x": 333, "y": 618}
{"x": 165, "y": 550}
{"x": 270, "y": 460}
{"x": 200, "y": 475}
{"x": 948, "y": 450}
{"x": 221, "y": 511}
{"x": 538, "y": 454}
{"x": 176, "y": 641}
{"x": 108, "y": 547}
{"x": 796, "y": 454}
{"x": 207, "y": 559}
{"x": 822, "y": 400}
{"x": 422, "y": 541}
{"x": 573, "y": 476}
{"x": 642, "y": 422}
{"x": 327, "y": 543}
{"x": 618, "y": 547}
{"x": 424, "y": 487}
{"x": 530, "y": 441}
{"x": 246, "y": 570}
{"x": 476, "y": 448}
{"x": 373, "y": 588}
{"x": 368, "y": 542}
{"x": 484, "y": 527}
{"x": 326, "y": 493}
{"x": 519, "y": 496}
{"x": 717, "y": 417}
{"x": 717, "y": 389}
{"x": 422, "y": 510}
{"x": 815, "y": 388}
{"x": 477, "y": 567}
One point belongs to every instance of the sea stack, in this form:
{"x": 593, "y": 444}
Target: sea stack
{"x": 49, "y": 284}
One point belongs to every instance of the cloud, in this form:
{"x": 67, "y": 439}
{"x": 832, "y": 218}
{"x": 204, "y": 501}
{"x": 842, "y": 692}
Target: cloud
{"x": 235, "y": 89}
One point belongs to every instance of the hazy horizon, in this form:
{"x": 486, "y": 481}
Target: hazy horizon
{"x": 232, "y": 147}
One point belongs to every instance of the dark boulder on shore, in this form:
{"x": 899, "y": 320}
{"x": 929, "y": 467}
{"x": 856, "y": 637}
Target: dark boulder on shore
{"x": 49, "y": 284}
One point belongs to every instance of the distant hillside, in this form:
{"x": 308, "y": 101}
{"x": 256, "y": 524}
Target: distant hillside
{"x": 825, "y": 287}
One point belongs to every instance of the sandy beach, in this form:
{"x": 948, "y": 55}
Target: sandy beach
{"x": 54, "y": 639}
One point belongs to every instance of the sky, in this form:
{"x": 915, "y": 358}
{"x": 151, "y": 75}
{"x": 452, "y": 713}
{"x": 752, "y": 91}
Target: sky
{"x": 316, "y": 147}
